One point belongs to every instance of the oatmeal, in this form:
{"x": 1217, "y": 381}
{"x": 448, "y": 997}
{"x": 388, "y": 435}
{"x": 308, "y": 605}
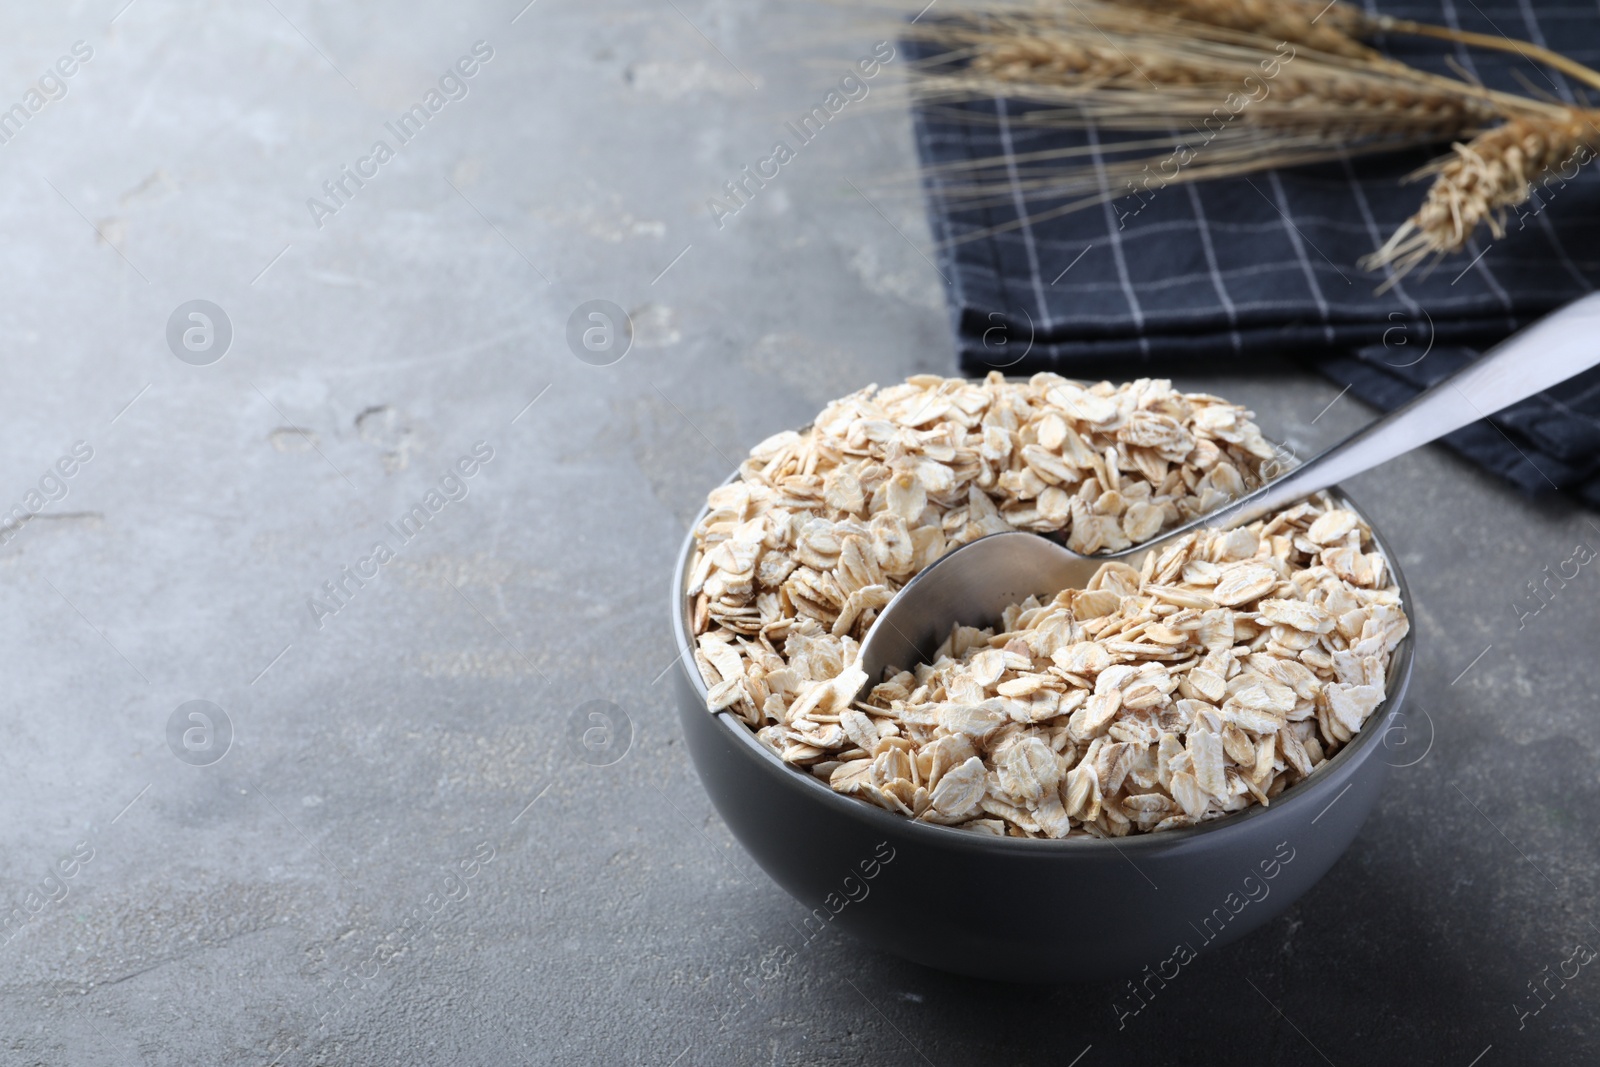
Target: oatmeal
{"x": 1208, "y": 680}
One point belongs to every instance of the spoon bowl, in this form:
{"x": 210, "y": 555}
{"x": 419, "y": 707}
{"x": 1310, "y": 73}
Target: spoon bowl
{"x": 972, "y": 585}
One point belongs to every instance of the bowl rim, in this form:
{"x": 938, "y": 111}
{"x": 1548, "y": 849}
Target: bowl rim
{"x": 1292, "y": 799}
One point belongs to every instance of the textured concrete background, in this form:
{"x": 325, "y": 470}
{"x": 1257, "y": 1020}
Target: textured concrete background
{"x": 407, "y": 854}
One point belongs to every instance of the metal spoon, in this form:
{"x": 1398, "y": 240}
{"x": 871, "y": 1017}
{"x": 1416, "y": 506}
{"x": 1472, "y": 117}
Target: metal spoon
{"x": 975, "y": 583}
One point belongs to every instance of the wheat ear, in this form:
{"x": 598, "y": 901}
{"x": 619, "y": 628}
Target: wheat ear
{"x": 1339, "y": 28}
{"x": 1481, "y": 180}
{"x": 1334, "y": 28}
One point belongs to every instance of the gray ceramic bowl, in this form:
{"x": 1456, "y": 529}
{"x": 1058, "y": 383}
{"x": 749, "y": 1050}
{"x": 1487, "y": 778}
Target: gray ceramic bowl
{"x": 1029, "y": 910}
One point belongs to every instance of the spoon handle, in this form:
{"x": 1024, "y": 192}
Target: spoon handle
{"x": 1557, "y": 347}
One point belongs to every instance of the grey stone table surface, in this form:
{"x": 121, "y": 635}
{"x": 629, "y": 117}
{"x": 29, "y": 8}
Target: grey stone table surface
{"x": 406, "y": 854}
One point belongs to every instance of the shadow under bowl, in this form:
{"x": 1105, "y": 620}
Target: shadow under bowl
{"x": 1028, "y": 910}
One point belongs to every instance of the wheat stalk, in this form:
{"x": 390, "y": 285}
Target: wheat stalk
{"x": 1125, "y": 81}
{"x": 1154, "y": 87}
{"x": 1316, "y": 92}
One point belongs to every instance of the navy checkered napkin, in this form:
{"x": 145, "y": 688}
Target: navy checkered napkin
{"x": 1240, "y": 272}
